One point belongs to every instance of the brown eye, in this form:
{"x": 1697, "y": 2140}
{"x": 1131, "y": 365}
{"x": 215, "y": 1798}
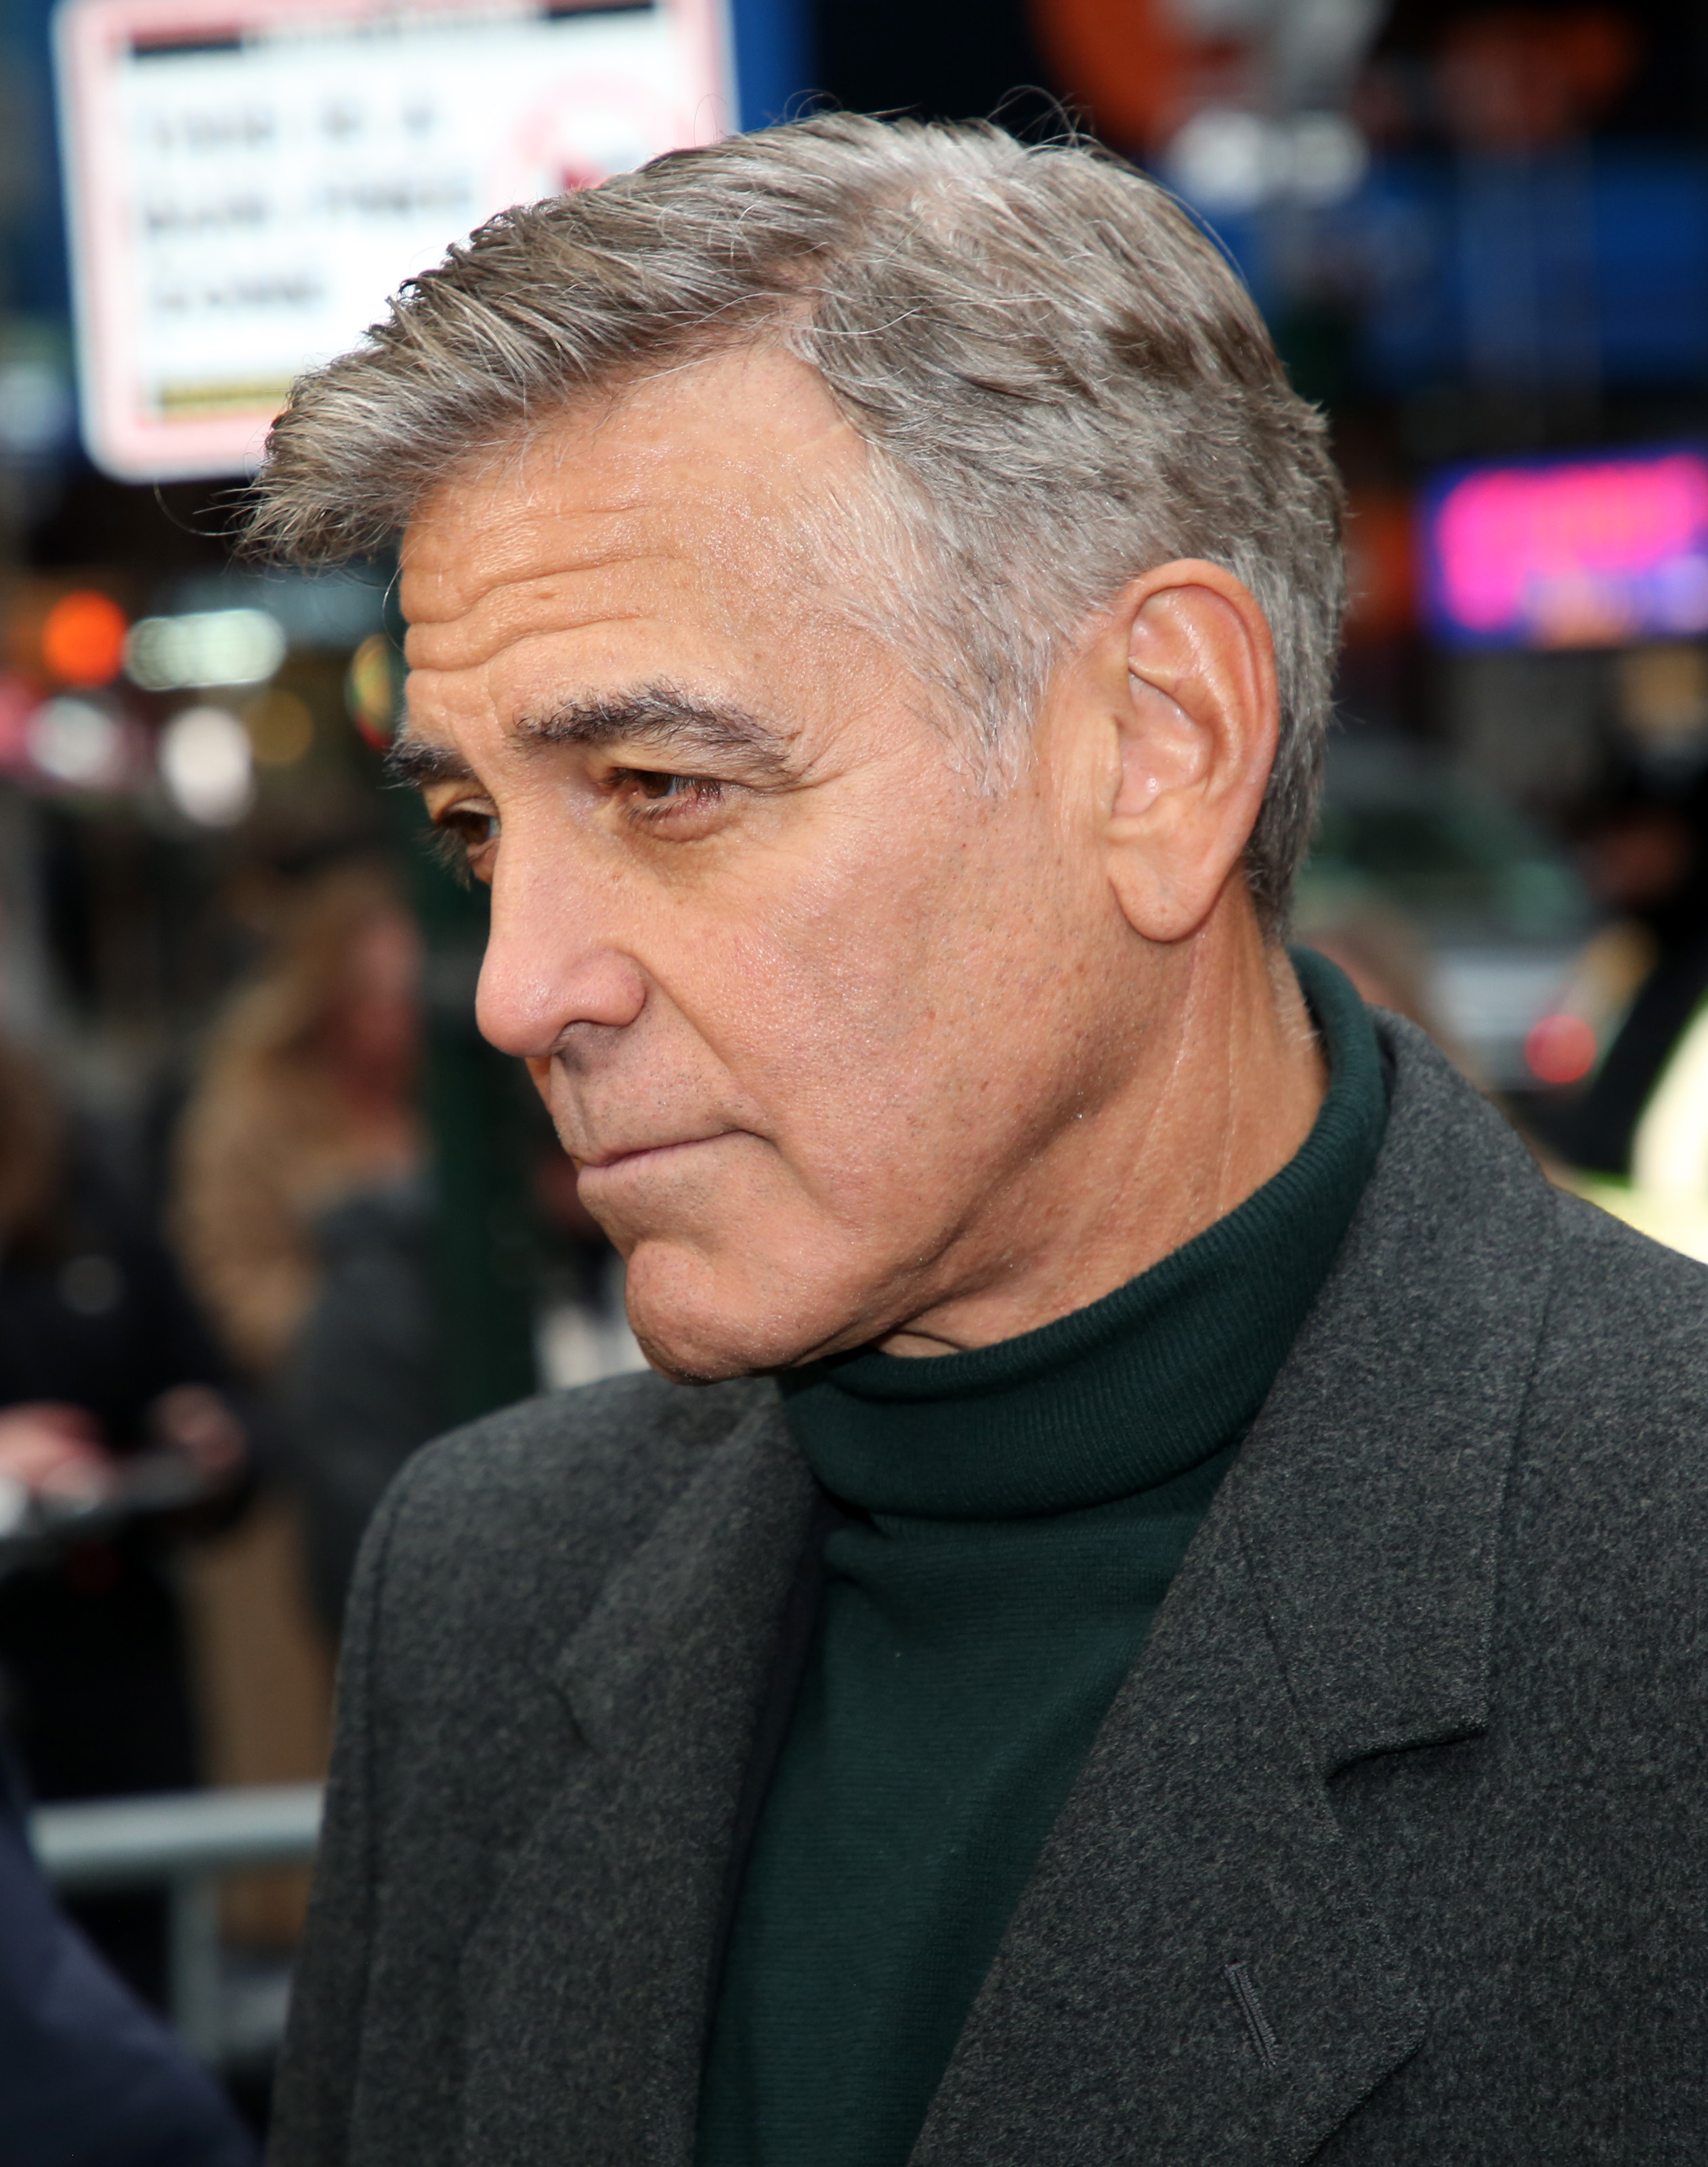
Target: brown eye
{"x": 655, "y": 786}
{"x": 473, "y": 830}
{"x": 462, "y": 836}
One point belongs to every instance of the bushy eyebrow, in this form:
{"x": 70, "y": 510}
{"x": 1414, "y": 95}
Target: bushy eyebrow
{"x": 416, "y": 762}
{"x": 667, "y": 722}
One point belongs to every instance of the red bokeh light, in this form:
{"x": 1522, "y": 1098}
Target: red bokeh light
{"x": 1561, "y": 1049}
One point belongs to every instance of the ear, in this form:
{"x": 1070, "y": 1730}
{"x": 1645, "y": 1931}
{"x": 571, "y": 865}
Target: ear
{"x": 1183, "y": 669}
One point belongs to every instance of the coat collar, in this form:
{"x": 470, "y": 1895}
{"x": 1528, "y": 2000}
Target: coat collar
{"x": 1199, "y": 1969}
{"x": 584, "y": 1984}
{"x": 1335, "y": 1603}
{"x": 1368, "y": 1494}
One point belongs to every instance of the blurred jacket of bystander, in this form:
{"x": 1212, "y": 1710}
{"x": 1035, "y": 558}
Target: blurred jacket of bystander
{"x": 116, "y": 1441}
{"x": 88, "y": 2078}
{"x": 360, "y": 1393}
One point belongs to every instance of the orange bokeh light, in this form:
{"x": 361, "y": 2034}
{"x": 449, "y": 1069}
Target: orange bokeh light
{"x": 82, "y": 639}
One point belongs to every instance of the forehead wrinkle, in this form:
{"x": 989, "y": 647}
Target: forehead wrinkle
{"x": 497, "y": 551}
{"x": 508, "y": 602}
{"x": 448, "y": 647}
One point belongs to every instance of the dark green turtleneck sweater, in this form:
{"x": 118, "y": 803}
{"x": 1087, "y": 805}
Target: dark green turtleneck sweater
{"x": 1017, "y": 1515}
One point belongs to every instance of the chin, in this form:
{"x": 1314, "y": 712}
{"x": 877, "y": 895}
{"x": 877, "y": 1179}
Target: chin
{"x": 702, "y": 1319}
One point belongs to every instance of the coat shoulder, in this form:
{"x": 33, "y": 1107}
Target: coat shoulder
{"x": 524, "y": 1515}
{"x": 1610, "y": 1478}
{"x": 1626, "y": 1326}
{"x": 1618, "y": 1270}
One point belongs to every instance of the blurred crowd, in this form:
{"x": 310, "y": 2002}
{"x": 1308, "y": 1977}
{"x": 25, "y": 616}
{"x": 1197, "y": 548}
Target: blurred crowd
{"x": 207, "y": 1380}
{"x": 175, "y": 1385}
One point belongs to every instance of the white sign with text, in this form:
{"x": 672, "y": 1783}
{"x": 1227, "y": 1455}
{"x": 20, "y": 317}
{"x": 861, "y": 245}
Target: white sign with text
{"x": 248, "y": 180}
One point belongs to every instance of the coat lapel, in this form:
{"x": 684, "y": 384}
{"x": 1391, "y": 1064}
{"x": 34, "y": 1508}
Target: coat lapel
{"x": 586, "y": 1982}
{"x": 1199, "y": 1971}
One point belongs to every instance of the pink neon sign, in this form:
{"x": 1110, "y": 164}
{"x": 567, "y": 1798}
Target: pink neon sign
{"x": 1578, "y": 552}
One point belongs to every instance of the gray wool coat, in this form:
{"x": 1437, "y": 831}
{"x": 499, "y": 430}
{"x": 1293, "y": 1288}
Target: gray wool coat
{"x": 1393, "y": 1849}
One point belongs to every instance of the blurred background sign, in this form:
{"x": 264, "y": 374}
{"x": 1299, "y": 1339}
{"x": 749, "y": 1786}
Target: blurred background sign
{"x": 248, "y": 180}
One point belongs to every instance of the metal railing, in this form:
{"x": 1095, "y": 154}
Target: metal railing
{"x": 187, "y": 1842}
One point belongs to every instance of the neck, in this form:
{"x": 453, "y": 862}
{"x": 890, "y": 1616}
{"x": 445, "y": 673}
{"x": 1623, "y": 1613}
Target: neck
{"x": 1224, "y": 1081}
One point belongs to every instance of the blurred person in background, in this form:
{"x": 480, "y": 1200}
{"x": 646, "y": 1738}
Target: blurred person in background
{"x": 1644, "y": 852}
{"x": 304, "y": 1103}
{"x": 360, "y": 1390}
{"x": 1634, "y": 1136}
{"x": 112, "y": 1411}
{"x": 305, "y": 1099}
{"x": 88, "y": 2077}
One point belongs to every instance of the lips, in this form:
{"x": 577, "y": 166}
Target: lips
{"x": 606, "y": 1161}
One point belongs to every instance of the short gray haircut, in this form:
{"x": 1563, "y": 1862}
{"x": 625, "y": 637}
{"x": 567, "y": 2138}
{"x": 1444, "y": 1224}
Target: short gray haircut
{"x": 1060, "y": 382}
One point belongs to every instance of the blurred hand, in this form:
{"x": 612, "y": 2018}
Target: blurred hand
{"x": 54, "y": 1450}
{"x": 199, "y": 1425}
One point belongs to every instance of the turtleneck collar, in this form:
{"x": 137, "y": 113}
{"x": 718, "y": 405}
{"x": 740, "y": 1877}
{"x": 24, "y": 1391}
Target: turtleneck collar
{"x": 1134, "y": 1389}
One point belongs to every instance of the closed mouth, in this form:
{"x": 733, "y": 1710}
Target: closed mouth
{"x": 606, "y": 1162}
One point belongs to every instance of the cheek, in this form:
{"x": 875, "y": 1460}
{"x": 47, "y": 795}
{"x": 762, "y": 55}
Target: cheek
{"x": 879, "y": 1009}
{"x": 838, "y": 972}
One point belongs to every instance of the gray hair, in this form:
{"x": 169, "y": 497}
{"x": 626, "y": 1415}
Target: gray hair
{"x": 1060, "y": 381}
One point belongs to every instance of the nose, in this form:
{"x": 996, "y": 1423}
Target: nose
{"x": 551, "y": 962}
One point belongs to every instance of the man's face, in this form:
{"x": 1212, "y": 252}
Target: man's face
{"x": 812, "y": 1008}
